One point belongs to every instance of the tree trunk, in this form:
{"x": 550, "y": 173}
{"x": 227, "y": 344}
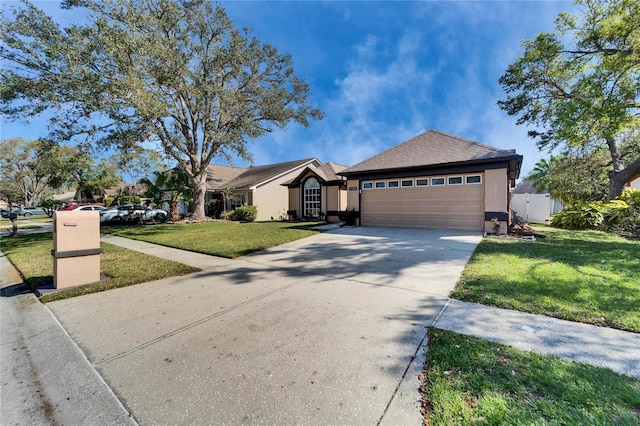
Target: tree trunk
{"x": 199, "y": 184}
{"x": 617, "y": 179}
{"x": 174, "y": 211}
{"x": 620, "y": 174}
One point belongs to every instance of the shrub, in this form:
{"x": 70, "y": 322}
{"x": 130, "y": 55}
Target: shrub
{"x": 215, "y": 208}
{"x": 245, "y": 213}
{"x": 349, "y": 216}
{"x": 620, "y": 215}
{"x": 623, "y": 213}
{"x": 579, "y": 215}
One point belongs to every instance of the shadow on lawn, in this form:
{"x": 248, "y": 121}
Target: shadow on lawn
{"x": 590, "y": 280}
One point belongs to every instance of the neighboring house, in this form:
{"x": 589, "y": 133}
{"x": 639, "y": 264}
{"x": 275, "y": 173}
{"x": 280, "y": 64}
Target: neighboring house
{"x": 259, "y": 186}
{"x": 125, "y": 188}
{"x": 318, "y": 191}
{"x": 531, "y": 205}
{"x": 434, "y": 180}
{"x": 634, "y": 182}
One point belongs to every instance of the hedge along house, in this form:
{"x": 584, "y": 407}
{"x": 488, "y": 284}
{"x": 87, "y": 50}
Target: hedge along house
{"x": 437, "y": 181}
{"x": 318, "y": 192}
{"x": 259, "y": 186}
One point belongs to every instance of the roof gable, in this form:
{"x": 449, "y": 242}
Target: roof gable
{"x": 255, "y": 176}
{"x": 327, "y": 172}
{"x": 430, "y": 149}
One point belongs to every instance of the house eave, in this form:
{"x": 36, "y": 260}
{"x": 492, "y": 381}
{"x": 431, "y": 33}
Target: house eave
{"x": 512, "y": 163}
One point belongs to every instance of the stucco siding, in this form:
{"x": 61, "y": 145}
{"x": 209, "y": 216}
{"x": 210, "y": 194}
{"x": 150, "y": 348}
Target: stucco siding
{"x": 272, "y": 199}
{"x": 496, "y": 196}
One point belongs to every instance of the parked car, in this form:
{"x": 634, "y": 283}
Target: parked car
{"x": 30, "y": 210}
{"x": 130, "y": 212}
{"x": 88, "y": 207}
{"x": 76, "y": 206}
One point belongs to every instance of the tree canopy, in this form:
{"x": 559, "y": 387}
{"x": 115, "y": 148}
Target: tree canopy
{"x": 580, "y": 87}
{"x": 28, "y": 170}
{"x": 172, "y": 72}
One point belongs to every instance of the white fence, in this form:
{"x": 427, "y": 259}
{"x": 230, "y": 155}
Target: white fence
{"x": 535, "y": 207}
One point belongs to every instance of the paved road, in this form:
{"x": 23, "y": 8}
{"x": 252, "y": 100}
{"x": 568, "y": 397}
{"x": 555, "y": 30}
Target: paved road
{"x": 325, "y": 330}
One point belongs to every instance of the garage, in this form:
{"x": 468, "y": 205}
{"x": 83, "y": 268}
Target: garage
{"x": 457, "y": 206}
{"x": 434, "y": 181}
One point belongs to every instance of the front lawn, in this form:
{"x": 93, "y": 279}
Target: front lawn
{"x": 31, "y": 254}
{"x": 217, "y": 238}
{"x": 473, "y": 381}
{"x": 585, "y": 276}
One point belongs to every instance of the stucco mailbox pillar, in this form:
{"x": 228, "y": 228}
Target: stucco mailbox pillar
{"x": 76, "y": 248}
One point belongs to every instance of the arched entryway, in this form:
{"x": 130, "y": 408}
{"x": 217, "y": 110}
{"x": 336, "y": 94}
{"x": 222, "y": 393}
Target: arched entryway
{"x": 311, "y": 200}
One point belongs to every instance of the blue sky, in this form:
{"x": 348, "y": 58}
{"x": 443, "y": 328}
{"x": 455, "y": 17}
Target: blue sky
{"x": 384, "y": 72}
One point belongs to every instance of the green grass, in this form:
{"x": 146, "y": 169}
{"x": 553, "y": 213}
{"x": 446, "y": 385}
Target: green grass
{"x": 473, "y": 381}
{"x": 6, "y": 223}
{"x": 225, "y": 239}
{"x": 585, "y": 276}
{"x": 31, "y": 254}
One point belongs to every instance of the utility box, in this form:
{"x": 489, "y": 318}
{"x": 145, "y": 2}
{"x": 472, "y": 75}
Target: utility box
{"x": 76, "y": 248}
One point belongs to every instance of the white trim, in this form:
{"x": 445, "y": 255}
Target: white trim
{"x": 369, "y": 183}
{"x": 402, "y": 181}
{"x": 393, "y": 187}
{"x": 384, "y": 184}
{"x": 422, "y": 180}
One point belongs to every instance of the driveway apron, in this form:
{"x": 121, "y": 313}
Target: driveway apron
{"x": 330, "y": 329}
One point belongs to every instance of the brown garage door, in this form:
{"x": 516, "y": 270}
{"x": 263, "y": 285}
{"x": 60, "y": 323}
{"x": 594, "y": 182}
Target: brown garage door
{"x": 458, "y": 207}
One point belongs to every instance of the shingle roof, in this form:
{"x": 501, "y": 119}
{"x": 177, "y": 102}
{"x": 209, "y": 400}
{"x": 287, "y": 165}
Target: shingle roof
{"x": 429, "y": 149}
{"x": 253, "y": 176}
{"x": 218, "y": 175}
{"x": 326, "y": 172}
{"x": 525, "y": 187}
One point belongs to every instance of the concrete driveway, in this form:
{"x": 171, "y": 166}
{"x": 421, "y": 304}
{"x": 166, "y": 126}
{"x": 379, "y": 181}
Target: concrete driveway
{"x": 325, "y": 330}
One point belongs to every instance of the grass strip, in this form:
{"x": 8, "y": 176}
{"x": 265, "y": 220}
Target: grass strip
{"x": 473, "y": 381}
{"x": 217, "y": 238}
{"x": 585, "y": 276}
{"x": 31, "y": 254}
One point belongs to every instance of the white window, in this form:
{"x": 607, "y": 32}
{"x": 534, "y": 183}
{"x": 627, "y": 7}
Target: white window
{"x": 312, "y": 197}
{"x": 473, "y": 180}
{"x": 422, "y": 182}
{"x": 455, "y": 180}
{"x": 393, "y": 184}
{"x": 367, "y": 185}
{"x": 380, "y": 185}
{"x": 407, "y": 183}
{"x": 439, "y": 181}
{"x": 238, "y": 200}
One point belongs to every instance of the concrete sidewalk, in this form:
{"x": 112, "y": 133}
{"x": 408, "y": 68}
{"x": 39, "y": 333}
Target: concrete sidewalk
{"x": 197, "y": 260}
{"x": 588, "y": 344}
{"x": 45, "y": 377}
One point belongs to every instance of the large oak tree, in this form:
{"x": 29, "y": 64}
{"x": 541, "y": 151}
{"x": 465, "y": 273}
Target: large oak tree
{"x": 580, "y": 87}
{"x": 174, "y": 72}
